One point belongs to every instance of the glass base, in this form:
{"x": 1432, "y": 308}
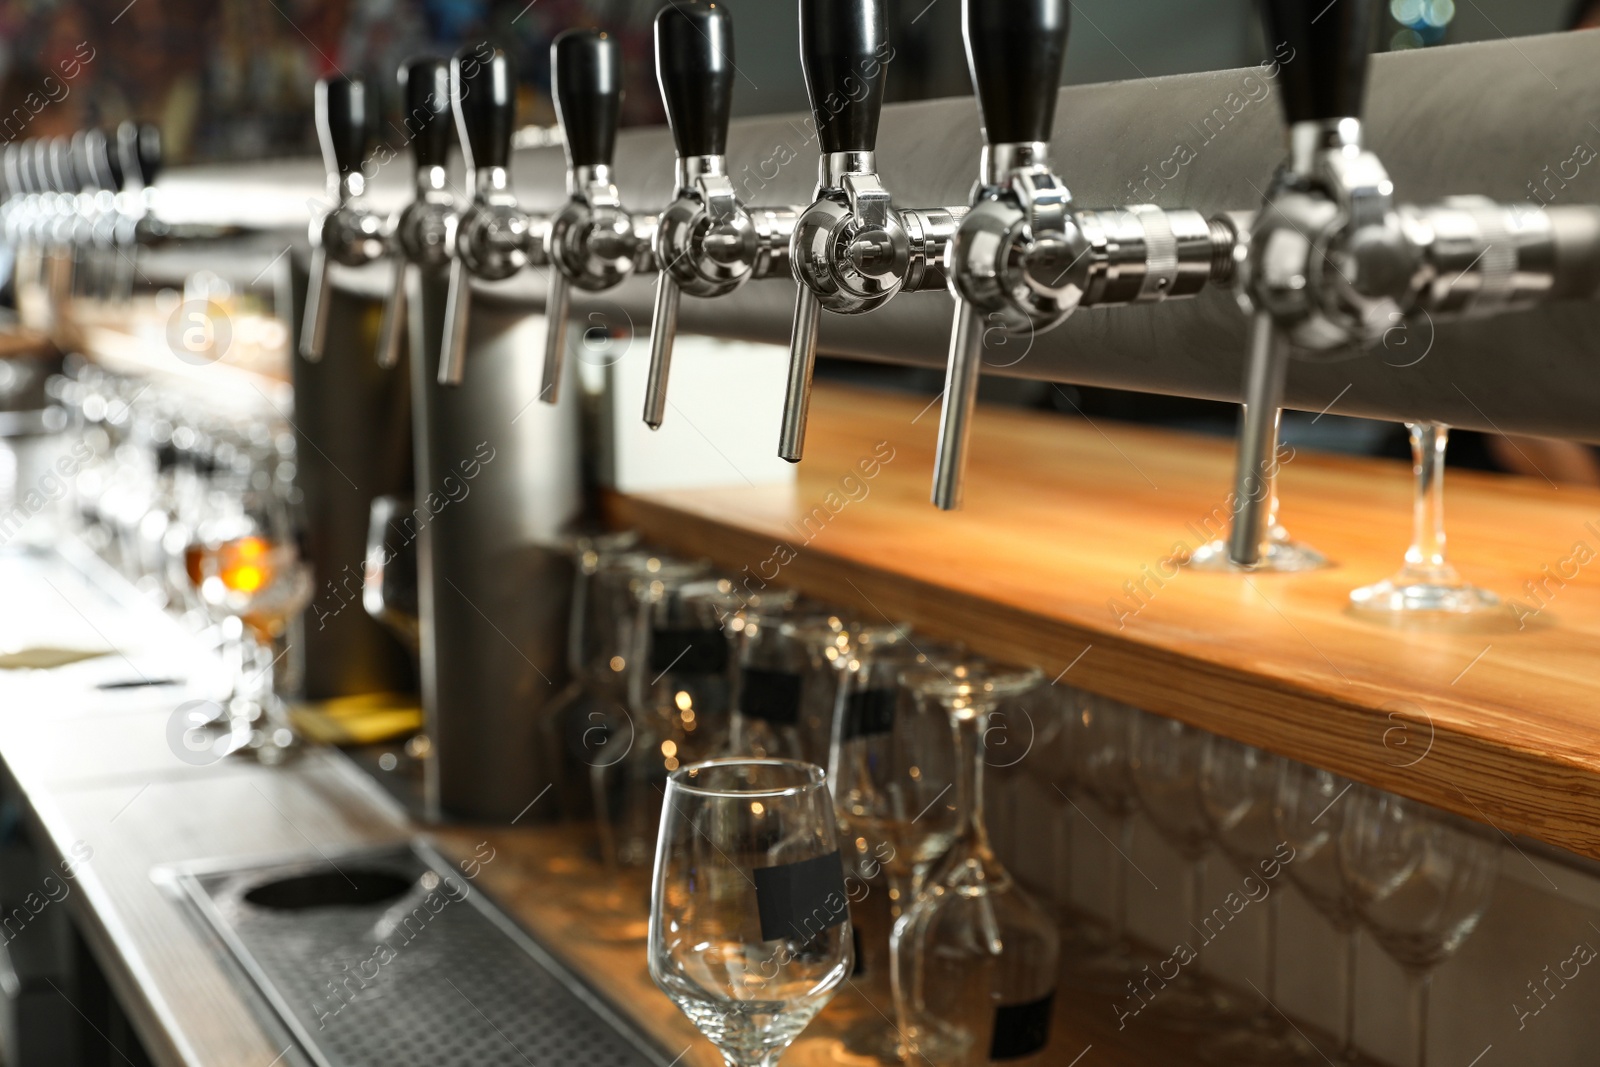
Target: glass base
{"x": 1434, "y": 590}
{"x": 1283, "y": 554}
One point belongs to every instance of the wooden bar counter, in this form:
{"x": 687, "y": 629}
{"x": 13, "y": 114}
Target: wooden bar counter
{"x": 1064, "y": 558}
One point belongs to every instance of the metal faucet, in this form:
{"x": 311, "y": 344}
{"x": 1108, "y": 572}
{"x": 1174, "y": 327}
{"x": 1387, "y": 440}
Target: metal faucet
{"x": 418, "y": 233}
{"x": 1331, "y": 261}
{"x": 1024, "y": 258}
{"x": 707, "y": 243}
{"x": 853, "y": 249}
{"x": 493, "y": 237}
{"x": 139, "y": 155}
{"x": 351, "y": 234}
{"x": 593, "y": 242}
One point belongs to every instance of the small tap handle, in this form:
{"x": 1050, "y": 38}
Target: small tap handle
{"x": 85, "y": 174}
{"x": 694, "y": 67}
{"x": 343, "y": 125}
{"x": 1015, "y": 51}
{"x": 139, "y": 144}
{"x": 425, "y": 89}
{"x": 844, "y": 45}
{"x": 96, "y": 156}
{"x": 429, "y": 122}
{"x": 42, "y": 175}
{"x": 64, "y": 176}
{"x": 111, "y": 160}
{"x": 1327, "y": 76}
{"x": 586, "y": 80}
{"x": 483, "y": 94}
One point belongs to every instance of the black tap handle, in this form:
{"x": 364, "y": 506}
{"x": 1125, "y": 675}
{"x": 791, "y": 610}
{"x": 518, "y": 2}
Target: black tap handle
{"x": 139, "y": 144}
{"x": 844, "y": 52}
{"x": 343, "y": 124}
{"x": 483, "y": 92}
{"x": 1015, "y": 49}
{"x": 694, "y": 67}
{"x": 586, "y": 79}
{"x": 1322, "y": 49}
{"x": 425, "y": 89}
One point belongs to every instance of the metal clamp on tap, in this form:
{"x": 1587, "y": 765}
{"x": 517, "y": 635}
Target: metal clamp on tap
{"x": 493, "y": 238}
{"x": 1331, "y": 261}
{"x": 707, "y": 243}
{"x": 418, "y": 233}
{"x": 351, "y": 234}
{"x": 593, "y": 242}
{"x": 1023, "y": 259}
{"x": 852, "y": 249}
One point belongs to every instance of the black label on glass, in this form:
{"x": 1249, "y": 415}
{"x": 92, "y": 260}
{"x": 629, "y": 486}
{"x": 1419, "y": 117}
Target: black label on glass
{"x": 688, "y": 651}
{"x": 861, "y": 957}
{"x": 771, "y": 696}
{"x": 868, "y": 711}
{"x": 1021, "y": 1029}
{"x": 797, "y": 901}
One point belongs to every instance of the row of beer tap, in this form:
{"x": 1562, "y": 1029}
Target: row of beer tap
{"x": 1330, "y": 260}
{"x": 87, "y": 200}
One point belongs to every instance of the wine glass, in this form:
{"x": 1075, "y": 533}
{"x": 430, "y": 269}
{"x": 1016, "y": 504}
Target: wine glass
{"x": 749, "y": 917}
{"x": 1238, "y": 787}
{"x": 1164, "y": 758}
{"x": 1427, "y": 582}
{"x": 1098, "y": 747}
{"x": 1421, "y": 879}
{"x": 1280, "y": 552}
{"x": 389, "y": 586}
{"x": 1311, "y": 818}
{"x": 681, "y": 671}
{"x": 252, "y": 569}
{"x": 975, "y": 959}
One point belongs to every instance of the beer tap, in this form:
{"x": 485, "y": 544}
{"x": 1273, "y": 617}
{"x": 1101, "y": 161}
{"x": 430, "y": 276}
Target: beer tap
{"x": 707, "y": 243}
{"x": 138, "y": 149}
{"x": 852, "y": 248}
{"x": 593, "y": 242}
{"x": 350, "y": 234}
{"x": 418, "y": 232}
{"x": 493, "y": 237}
{"x": 1331, "y": 261}
{"x": 1024, "y": 257}
{"x": 105, "y": 164}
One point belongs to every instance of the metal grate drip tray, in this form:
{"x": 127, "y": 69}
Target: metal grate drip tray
{"x": 378, "y": 958}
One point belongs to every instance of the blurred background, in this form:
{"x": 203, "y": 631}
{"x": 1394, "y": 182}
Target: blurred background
{"x": 232, "y": 79}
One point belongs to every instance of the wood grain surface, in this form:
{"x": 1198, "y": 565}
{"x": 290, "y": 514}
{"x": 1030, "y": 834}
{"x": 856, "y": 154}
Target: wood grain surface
{"x": 1063, "y": 557}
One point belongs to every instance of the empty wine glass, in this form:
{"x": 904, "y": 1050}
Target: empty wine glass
{"x": 975, "y": 959}
{"x": 1421, "y": 879}
{"x": 749, "y": 917}
{"x": 1098, "y": 746}
{"x": 1310, "y": 818}
{"x": 1239, "y": 794}
{"x": 1427, "y": 582}
{"x": 1164, "y": 758}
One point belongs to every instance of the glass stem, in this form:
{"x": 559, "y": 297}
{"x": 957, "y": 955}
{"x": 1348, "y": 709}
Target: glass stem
{"x": 972, "y": 838}
{"x": 1352, "y": 949}
{"x": 1428, "y": 441}
{"x": 1421, "y": 986}
{"x": 602, "y": 817}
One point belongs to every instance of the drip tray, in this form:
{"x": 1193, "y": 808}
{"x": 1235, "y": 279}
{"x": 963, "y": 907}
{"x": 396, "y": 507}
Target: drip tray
{"x": 378, "y": 958}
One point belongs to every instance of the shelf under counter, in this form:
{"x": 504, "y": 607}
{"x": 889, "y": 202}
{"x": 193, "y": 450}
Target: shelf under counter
{"x": 1063, "y": 557}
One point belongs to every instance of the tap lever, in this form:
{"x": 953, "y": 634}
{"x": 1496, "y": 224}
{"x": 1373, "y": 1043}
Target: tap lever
{"x": 343, "y": 125}
{"x": 492, "y": 238}
{"x": 418, "y": 230}
{"x": 591, "y": 242}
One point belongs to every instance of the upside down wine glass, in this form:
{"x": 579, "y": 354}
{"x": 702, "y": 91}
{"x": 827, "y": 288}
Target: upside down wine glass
{"x": 749, "y": 916}
{"x": 975, "y": 960}
{"x": 1427, "y": 582}
{"x": 1421, "y": 879}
